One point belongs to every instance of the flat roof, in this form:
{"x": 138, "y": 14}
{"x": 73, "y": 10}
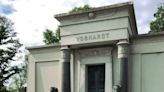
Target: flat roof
{"x": 43, "y": 46}
{"x": 128, "y": 5}
{"x": 94, "y": 9}
{"x": 154, "y": 34}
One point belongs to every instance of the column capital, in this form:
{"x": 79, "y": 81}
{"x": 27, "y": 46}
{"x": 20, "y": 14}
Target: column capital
{"x": 65, "y": 54}
{"x": 64, "y": 48}
{"x": 123, "y": 48}
{"x": 124, "y": 41}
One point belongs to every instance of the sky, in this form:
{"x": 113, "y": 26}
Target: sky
{"x": 33, "y": 17}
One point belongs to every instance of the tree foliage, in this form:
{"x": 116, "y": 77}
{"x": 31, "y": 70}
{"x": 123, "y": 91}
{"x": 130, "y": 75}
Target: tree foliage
{"x": 80, "y": 9}
{"x": 50, "y": 37}
{"x": 158, "y": 24}
{"x": 9, "y": 46}
{"x": 18, "y": 82}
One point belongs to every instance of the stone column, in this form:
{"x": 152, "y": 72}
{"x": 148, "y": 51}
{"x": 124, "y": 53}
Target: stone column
{"x": 65, "y": 69}
{"x": 123, "y": 48}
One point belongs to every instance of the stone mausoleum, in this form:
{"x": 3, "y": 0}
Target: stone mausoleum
{"x": 100, "y": 51}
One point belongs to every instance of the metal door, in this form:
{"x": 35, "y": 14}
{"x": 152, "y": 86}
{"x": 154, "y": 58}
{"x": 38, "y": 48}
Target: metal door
{"x": 96, "y": 78}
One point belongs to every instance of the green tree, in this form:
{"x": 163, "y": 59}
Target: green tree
{"x": 9, "y": 46}
{"x": 50, "y": 37}
{"x": 158, "y": 24}
{"x": 58, "y": 34}
{"x": 19, "y": 81}
{"x": 80, "y": 9}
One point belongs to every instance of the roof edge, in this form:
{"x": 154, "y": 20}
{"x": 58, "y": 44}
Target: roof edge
{"x": 148, "y": 35}
{"x": 42, "y": 46}
{"x": 94, "y": 9}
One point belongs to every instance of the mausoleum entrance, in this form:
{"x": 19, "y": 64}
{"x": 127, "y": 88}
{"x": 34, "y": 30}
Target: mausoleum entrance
{"x": 94, "y": 69}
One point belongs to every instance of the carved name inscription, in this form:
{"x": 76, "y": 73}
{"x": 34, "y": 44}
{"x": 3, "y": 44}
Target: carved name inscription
{"x": 92, "y": 37}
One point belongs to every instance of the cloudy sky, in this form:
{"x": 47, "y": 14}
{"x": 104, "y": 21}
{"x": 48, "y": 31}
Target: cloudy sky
{"x": 32, "y": 17}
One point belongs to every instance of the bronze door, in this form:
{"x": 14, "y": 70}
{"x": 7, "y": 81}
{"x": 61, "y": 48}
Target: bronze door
{"x": 96, "y": 78}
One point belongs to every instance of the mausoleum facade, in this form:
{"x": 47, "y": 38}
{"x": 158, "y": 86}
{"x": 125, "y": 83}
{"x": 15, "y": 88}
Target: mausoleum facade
{"x": 100, "y": 51}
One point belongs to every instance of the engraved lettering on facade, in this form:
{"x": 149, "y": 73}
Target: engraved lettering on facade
{"x": 92, "y": 37}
